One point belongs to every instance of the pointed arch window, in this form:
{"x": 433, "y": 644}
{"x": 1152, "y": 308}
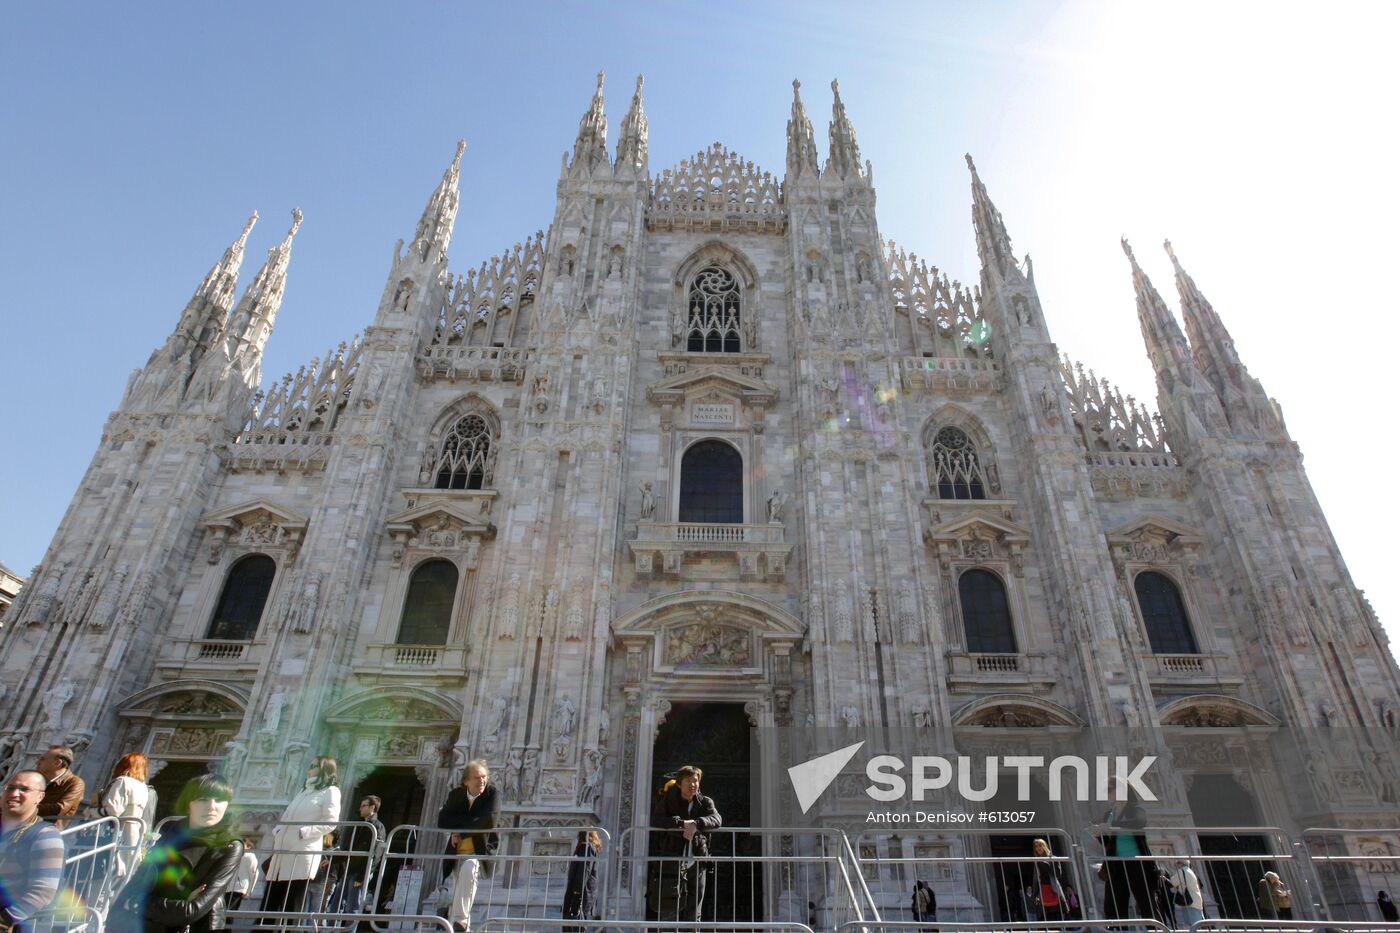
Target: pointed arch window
{"x": 243, "y": 599}
{"x": 427, "y": 609}
{"x": 712, "y": 484}
{"x": 465, "y": 460}
{"x": 986, "y": 613}
{"x": 1164, "y": 614}
{"x": 713, "y": 324}
{"x": 957, "y": 469}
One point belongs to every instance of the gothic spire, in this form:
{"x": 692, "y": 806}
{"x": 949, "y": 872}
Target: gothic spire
{"x": 257, "y": 310}
{"x": 1166, "y": 346}
{"x": 632, "y": 140}
{"x": 1241, "y": 395}
{"x": 435, "y": 226}
{"x": 204, "y": 316}
{"x": 993, "y": 242}
{"x": 801, "y": 147}
{"x": 844, "y": 155}
{"x": 591, "y": 145}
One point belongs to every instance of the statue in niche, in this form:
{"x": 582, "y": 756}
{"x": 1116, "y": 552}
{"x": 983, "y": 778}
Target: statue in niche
{"x": 564, "y": 715}
{"x": 750, "y": 333}
{"x": 510, "y": 607}
{"x": 510, "y": 785}
{"x": 591, "y": 786}
{"x": 648, "y": 502}
{"x": 615, "y": 265}
{"x": 573, "y": 623}
{"x": 923, "y": 719}
{"x": 775, "y": 506}
{"x": 529, "y": 774}
{"x": 850, "y": 717}
{"x": 301, "y": 617}
{"x": 55, "y": 699}
{"x": 272, "y": 717}
{"x": 497, "y": 720}
{"x": 600, "y": 394}
{"x": 908, "y": 613}
{"x": 841, "y": 612}
{"x": 604, "y": 728}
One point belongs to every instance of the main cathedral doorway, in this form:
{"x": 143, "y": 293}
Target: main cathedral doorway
{"x": 401, "y": 796}
{"x": 715, "y": 737}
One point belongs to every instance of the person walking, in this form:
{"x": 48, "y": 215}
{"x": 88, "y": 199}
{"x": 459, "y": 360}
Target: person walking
{"x": 684, "y": 815}
{"x": 296, "y": 849}
{"x": 471, "y": 811}
{"x": 1048, "y": 883}
{"x": 180, "y": 886}
{"x": 581, "y": 888}
{"x": 1187, "y": 897}
{"x": 1127, "y": 870}
{"x": 127, "y": 799}
{"x": 924, "y": 904}
{"x": 31, "y": 851}
{"x": 246, "y": 878}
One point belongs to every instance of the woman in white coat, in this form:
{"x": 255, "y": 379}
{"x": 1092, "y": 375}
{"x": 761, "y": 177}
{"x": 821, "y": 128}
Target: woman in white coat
{"x": 296, "y": 849}
{"x": 129, "y": 799}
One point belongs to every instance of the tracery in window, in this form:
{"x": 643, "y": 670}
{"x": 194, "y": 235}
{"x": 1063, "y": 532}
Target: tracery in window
{"x": 243, "y": 598}
{"x": 464, "y": 460}
{"x": 713, "y": 322}
{"x": 986, "y": 613}
{"x": 1164, "y": 614}
{"x": 712, "y": 484}
{"x": 957, "y": 470}
{"x": 427, "y": 608}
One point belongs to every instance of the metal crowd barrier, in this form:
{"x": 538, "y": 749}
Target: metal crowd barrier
{"x": 260, "y": 921}
{"x": 526, "y": 878}
{"x": 97, "y": 859}
{"x": 971, "y": 884}
{"x": 65, "y": 919}
{"x": 1291, "y": 926}
{"x": 1229, "y": 863}
{"x": 1352, "y": 866}
{"x": 782, "y": 875}
{"x": 524, "y": 925}
{"x": 1032, "y": 926}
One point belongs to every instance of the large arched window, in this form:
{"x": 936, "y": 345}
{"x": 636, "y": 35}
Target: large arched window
{"x": 986, "y": 613}
{"x": 713, "y": 320}
{"x": 957, "y": 470}
{"x": 1164, "y": 614}
{"x": 427, "y": 609}
{"x": 243, "y": 598}
{"x": 712, "y": 484}
{"x": 464, "y": 460}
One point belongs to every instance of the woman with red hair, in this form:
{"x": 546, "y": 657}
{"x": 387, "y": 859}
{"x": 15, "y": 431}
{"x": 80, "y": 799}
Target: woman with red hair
{"x": 130, "y": 800}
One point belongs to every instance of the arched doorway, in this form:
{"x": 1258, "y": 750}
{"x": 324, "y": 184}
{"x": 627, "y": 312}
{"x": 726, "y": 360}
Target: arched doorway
{"x": 170, "y": 780}
{"x": 401, "y": 795}
{"x": 1219, "y": 800}
{"x": 716, "y": 738}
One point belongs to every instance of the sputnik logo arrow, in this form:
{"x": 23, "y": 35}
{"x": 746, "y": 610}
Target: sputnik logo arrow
{"x": 811, "y": 778}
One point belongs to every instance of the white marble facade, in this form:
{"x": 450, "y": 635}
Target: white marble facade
{"x": 583, "y": 606}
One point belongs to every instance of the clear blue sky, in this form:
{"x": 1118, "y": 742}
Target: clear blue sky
{"x": 140, "y": 136}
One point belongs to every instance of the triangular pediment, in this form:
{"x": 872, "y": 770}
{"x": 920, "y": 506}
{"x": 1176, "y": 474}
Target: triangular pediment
{"x": 254, "y": 512}
{"x": 714, "y": 379}
{"x": 437, "y": 515}
{"x": 972, "y": 524}
{"x": 1155, "y": 525}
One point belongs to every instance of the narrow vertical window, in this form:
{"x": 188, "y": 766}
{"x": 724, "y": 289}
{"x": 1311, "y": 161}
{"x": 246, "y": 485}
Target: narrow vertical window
{"x": 243, "y": 598}
{"x": 427, "y": 609}
{"x": 1164, "y": 615}
{"x": 986, "y": 613}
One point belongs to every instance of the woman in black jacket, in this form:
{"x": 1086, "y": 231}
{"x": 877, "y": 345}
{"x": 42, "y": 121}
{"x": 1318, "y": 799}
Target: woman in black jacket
{"x": 581, "y": 891}
{"x": 182, "y": 881}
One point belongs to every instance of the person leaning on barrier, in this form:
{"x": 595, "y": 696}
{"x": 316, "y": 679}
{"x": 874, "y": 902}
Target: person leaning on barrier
{"x": 471, "y": 810}
{"x": 581, "y": 888}
{"x": 182, "y": 882}
{"x": 31, "y": 851}
{"x": 296, "y": 850}
{"x": 1387, "y": 907}
{"x": 924, "y": 903}
{"x": 358, "y": 854}
{"x": 65, "y": 792}
{"x": 678, "y": 888}
{"x": 1275, "y": 901}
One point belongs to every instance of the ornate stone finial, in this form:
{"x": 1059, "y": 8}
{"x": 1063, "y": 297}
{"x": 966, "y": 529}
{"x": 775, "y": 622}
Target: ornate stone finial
{"x": 835, "y": 89}
{"x": 970, "y": 165}
{"x": 632, "y": 140}
{"x": 1167, "y": 245}
{"x": 247, "y": 228}
{"x": 796, "y": 89}
{"x": 1128, "y": 250}
{"x": 641, "y": 79}
{"x": 296, "y": 225}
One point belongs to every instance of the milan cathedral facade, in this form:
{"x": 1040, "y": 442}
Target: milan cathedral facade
{"x": 709, "y": 450}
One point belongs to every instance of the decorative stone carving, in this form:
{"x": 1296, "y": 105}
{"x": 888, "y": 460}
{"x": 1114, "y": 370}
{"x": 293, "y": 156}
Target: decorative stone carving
{"x": 708, "y": 644}
{"x": 46, "y": 596}
{"x": 841, "y": 617}
{"x": 850, "y": 717}
{"x": 591, "y": 785}
{"x": 923, "y": 719}
{"x": 54, "y": 701}
{"x": 301, "y": 609}
{"x": 110, "y": 599}
{"x": 510, "y": 607}
{"x": 648, "y": 502}
{"x": 529, "y": 775}
{"x": 908, "y": 613}
{"x": 565, "y": 714}
{"x": 573, "y": 620}
{"x": 775, "y": 506}
{"x": 510, "y": 782}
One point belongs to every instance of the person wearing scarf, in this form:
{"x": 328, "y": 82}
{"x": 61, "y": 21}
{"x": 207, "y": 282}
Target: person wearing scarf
{"x": 180, "y": 886}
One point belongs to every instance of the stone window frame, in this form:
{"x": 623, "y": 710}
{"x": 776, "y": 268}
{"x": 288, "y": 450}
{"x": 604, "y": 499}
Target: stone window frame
{"x": 954, "y": 416}
{"x": 443, "y": 425}
{"x": 257, "y": 527}
{"x": 741, "y": 441}
{"x": 1018, "y": 644}
{"x": 233, "y": 564}
{"x": 1164, "y": 547}
{"x": 719, "y": 254}
{"x": 456, "y": 593}
{"x": 212, "y": 585}
{"x": 1002, "y": 570}
{"x": 386, "y": 631}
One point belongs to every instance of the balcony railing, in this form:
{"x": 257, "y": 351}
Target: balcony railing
{"x": 215, "y": 650}
{"x": 705, "y": 533}
{"x": 997, "y": 663}
{"x": 442, "y": 663}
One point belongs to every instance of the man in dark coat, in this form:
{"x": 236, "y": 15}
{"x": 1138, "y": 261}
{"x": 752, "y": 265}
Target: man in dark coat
{"x": 472, "y": 809}
{"x": 684, "y": 814}
{"x": 357, "y": 857}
